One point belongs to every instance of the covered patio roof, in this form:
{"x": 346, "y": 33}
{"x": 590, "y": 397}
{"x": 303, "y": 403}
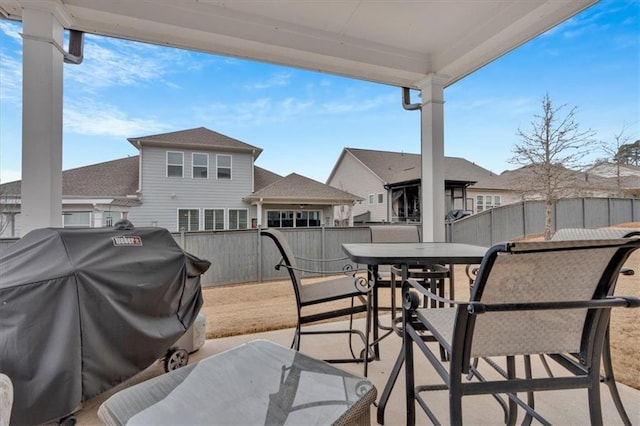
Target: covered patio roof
{"x": 425, "y": 45}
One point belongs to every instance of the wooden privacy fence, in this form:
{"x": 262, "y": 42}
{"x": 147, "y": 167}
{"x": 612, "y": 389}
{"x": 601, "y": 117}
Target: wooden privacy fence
{"x": 527, "y": 218}
{"x": 243, "y": 256}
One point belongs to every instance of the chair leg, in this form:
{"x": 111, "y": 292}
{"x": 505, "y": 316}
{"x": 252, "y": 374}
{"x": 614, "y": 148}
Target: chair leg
{"x": 530, "y": 395}
{"x": 511, "y": 375}
{"x": 455, "y": 395}
{"x": 595, "y": 410}
{"x": 610, "y": 381}
{"x": 409, "y": 378}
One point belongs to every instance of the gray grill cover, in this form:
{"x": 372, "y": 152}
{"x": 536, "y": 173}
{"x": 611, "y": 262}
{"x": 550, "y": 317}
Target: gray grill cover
{"x": 82, "y": 310}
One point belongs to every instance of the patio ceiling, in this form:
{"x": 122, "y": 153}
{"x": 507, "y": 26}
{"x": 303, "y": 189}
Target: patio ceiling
{"x": 393, "y": 42}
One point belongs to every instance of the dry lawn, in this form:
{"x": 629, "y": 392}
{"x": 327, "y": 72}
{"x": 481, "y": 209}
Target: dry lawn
{"x": 256, "y": 307}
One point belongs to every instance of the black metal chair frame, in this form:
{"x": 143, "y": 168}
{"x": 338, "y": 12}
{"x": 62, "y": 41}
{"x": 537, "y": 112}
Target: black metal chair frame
{"x": 360, "y": 290}
{"x": 431, "y": 276}
{"x": 608, "y": 378}
{"x": 583, "y": 371}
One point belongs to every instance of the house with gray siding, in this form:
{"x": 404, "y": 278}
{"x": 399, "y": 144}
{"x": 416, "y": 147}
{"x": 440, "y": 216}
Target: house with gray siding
{"x": 389, "y": 183}
{"x": 189, "y": 180}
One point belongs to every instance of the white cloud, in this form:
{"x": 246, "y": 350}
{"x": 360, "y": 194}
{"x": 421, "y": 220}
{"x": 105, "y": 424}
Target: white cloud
{"x": 112, "y": 63}
{"x": 88, "y": 118}
{"x": 11, "y": 30}
{"x": 11, "y": 77}
{"x": 357, "y": 106}
{"x": 280, "y": 79}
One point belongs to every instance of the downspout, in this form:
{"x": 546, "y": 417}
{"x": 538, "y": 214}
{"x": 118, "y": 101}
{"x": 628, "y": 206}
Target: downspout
{"x": 76, "y": 47}
{"x": 406, "y": 101}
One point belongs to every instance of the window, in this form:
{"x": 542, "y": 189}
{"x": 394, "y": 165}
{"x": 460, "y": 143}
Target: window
{"x": 213, "y": 219}
{"x": 200, "y": 166}
{"x": 376, "y": 198}
{"x": 188, "y": 220}
{"x": 76, "y": 219}
{"x": 238, "y": 219}
{"x": 109, "y": 218}
{"x": 174, "y": 164}
{"x": 486, "y": 202}
{"x": 223, "y": 166}
{"x": 285, "y": 218}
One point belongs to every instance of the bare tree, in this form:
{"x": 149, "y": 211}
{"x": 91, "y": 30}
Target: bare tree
{"x": 614, "y": 153}
{"x": 553, "y": 150}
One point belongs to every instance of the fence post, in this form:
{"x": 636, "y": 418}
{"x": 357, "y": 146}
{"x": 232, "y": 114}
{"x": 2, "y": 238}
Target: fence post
{"x": 260, "y": 256}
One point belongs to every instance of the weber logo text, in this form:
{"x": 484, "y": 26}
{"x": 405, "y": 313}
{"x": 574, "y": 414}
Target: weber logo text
{"x": 126, "y": 241}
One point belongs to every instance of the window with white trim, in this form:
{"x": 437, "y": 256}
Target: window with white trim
{"x": 376, "y": 198}
{"x": 486, "y": 202}
{"x": 175, "y": 164}
{"x": 76, "y": 219}
{"x": 223, "y": 166}
{"x": 293, "y": 219}
{"x": 188, "y": 220}
{"x": 213, "y": 219}
{"x": 238, "y": 219}
{"x": 200, "y": 165}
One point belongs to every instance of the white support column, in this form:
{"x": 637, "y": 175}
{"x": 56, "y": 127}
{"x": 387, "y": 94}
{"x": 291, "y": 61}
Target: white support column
{"x": 432, "y": 149}
{"x": 42, "y": 63}
{"x": 259, "y": 213}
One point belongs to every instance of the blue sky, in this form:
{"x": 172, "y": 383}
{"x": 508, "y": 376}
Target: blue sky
{"x": 302, "y": 120}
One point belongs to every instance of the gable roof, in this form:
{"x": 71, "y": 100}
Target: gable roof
{"x": 263, "y": 177}
{"x": 198, "y": 138}
{"x": 396, "y": 167}
{"x": 296, "y": 188}
{"x": 110, "y": 179}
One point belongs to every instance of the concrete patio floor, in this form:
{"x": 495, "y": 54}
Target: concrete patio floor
{"x": 559, "y": 407}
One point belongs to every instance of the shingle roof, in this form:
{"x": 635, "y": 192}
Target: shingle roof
{"x": 200, "y": 137}
{"x": 263, "y": 177}
{"x": 297, "y": 188}
{"x": 395, "y": 167}
{"x": 513, "y": 180}
{"x": 113, "y": 179}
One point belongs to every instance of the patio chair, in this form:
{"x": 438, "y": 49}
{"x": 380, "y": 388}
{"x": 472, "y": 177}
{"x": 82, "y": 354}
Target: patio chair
{"x": 608, "y": 377}
{"x": 548, "y": 297}
{"x": 349, "y": 286}
{"x": 386, "y": 276}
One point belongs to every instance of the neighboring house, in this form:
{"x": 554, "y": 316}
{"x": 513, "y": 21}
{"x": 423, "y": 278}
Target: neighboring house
{"x": 514, "y": 186}
{"x": 295, "y": 201}
{"x": 188, "y": 180}
{"x": 389, "y": 182}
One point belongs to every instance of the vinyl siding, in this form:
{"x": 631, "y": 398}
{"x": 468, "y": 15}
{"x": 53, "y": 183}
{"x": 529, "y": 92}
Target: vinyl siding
{"x": 163, "y": 196}
{"x": 352, "y": 176}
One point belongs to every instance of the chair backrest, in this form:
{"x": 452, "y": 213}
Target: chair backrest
{"x": 593, "y": 234}
{"x": 288, "y": 258}
{"x": 545, "y": 271}
{"x": 395, "y": 234}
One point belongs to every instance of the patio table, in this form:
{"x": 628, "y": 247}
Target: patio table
{"x": 405, "y": 254}
{"x": 259, "y": 382}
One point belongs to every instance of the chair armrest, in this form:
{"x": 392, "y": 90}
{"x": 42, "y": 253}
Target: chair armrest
{"x": 361, "y": 283}
{"x": 427, "y": 293}
{"x": 608, "y": 302}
